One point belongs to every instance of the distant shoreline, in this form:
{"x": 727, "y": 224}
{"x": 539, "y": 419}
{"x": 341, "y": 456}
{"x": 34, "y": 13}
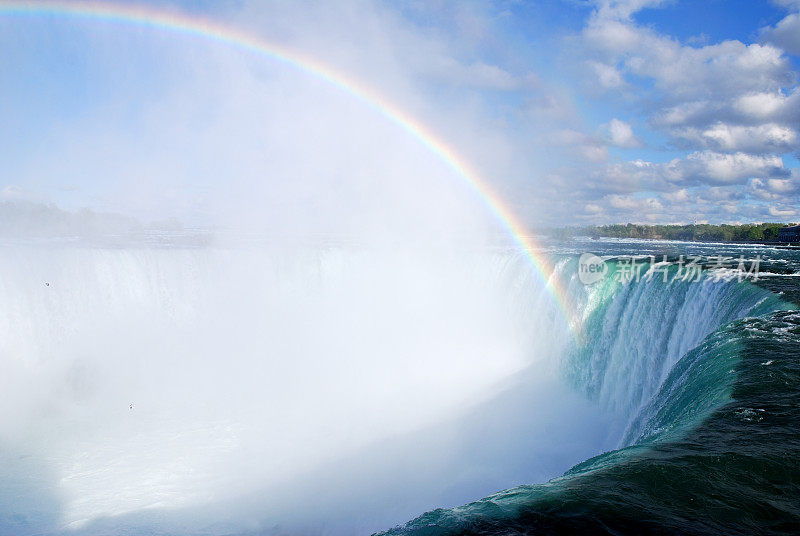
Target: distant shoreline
{"x": 783, "y": 245}
{"x": 753, "y": 233}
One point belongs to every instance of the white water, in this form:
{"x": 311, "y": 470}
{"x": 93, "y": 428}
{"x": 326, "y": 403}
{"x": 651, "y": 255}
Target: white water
{"x": 260, "y": 379}
{"x": 635, "y": 333}
{"x": 335, "y": 391}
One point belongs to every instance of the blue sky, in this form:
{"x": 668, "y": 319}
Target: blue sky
{"x": 576, "y": 111}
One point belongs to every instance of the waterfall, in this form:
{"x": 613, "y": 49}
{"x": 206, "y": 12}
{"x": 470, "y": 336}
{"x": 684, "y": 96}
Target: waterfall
{"x": 220, "y": 389}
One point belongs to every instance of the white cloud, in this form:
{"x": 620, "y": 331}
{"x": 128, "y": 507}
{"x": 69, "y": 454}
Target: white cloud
{"x": 749, "y": 108}
{"x": 703, "y": 168}
{"x": 608, "y": 75}
{"x": 548, "y": 106}
{"x": 677, "y": 196}
{"x": 594, "y": 153}
{"x": 716, "y": 168}
{"x": 593, "y": 208}
{"x": 733, "y": 106}
{"x": 785, "y": 212}
{"x": 760, "y": 105}
{"x": 624, "y": 208}
{"x": 691, "y": 112}
{"x": 612, "y": 36}
{"x": 726, "y": 69}
{"x": 759, "y": 139}
{"x": 626, "y": 202}
{"x": 785, "y": 34}
{"x": 783, "y": 186}
{"x": 623, "y": 9}
{"x": 620, "y": 134}
{"x": 588, "y": 147}
{"x": 686, "y": 79}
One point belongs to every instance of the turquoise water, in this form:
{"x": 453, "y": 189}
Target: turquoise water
{"x": 714, "y": 440}
{"x": 262, "y": 403}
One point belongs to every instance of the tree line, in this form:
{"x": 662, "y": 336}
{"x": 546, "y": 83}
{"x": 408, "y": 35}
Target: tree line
{"x": 751, "y": 232}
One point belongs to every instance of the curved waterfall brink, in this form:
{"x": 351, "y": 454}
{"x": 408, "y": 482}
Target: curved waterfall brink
{"x": 203, "y": 389}
{"x": 635, "y": 333}
{"x": 685, "y": 372}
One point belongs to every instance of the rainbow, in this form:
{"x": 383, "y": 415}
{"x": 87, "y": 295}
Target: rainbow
{"x": 193, "y": 26}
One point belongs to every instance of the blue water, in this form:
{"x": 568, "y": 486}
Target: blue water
{"x": 338, "y": 392}
{"x": 705, "y": 379}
